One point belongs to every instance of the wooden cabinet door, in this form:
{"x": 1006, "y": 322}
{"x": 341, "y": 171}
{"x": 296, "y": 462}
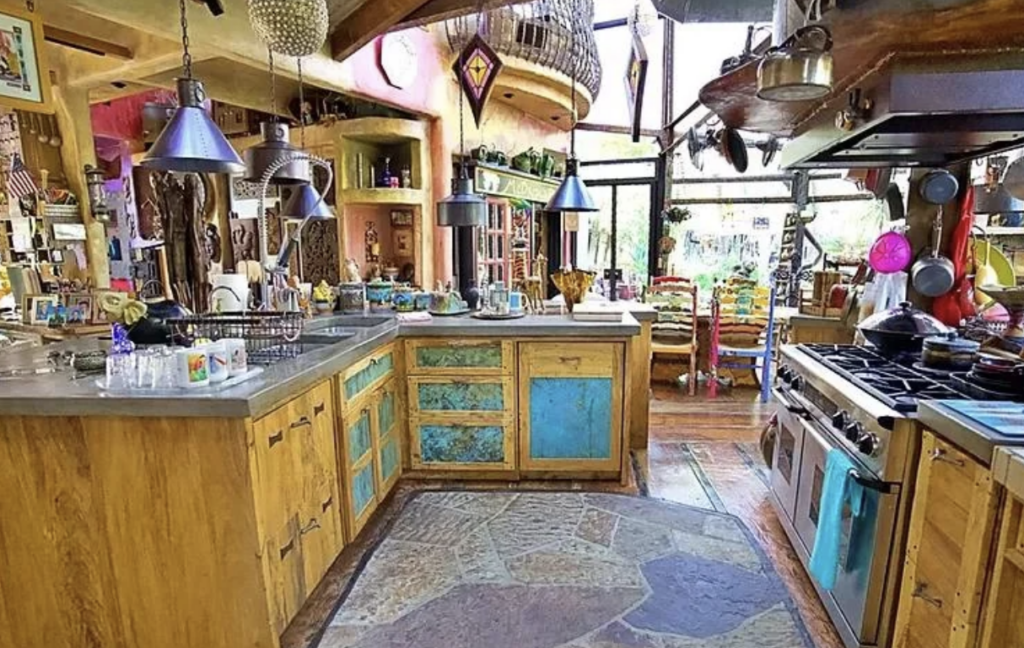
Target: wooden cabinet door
{"x": 387, "y": 426}
{"x": 359, "y": 444}
{"x": 571, "y": 406}
{"x": 286, "y": 586}
{"x": 462, "y": 443}
{"x": 277, "y": 469}
{"x": 948, "y": 550}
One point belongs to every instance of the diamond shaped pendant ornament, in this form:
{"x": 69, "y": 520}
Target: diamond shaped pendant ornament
{"x": 477, "y": 67}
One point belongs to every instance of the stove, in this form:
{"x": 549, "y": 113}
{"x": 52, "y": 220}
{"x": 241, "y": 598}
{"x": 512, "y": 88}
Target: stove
{"x": 892, "y": 382}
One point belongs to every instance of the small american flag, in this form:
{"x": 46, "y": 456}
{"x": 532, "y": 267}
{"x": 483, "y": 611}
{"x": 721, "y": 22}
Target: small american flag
{"x": 20, "y": 182}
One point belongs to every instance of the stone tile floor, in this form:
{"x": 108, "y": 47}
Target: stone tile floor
{"x": 570, "y": 570}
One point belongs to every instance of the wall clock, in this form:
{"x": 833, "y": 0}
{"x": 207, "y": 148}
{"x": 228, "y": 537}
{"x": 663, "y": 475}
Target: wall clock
{"x": 398, "y": 59}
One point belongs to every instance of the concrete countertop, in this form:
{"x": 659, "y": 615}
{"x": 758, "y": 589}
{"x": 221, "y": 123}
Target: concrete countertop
{"x": 1008, "y": 470}
{"x": 969, "y": 434}
{"x": 59, "y": 394}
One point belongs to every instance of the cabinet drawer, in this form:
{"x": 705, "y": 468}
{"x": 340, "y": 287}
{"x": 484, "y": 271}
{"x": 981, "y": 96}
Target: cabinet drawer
{"x": 460, "y": 357}
{"x": 571, "y": 360}
{"x": 462, "y": 444}
{"x": 366, "y": 374}
{"x": 461, "y": 395}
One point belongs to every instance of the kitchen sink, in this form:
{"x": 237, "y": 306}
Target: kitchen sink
{"x": 324, "y": 336}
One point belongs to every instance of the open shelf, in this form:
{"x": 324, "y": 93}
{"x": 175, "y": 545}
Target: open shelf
{"x": 383, "y": 196}
{"x": 1004, "y": 231}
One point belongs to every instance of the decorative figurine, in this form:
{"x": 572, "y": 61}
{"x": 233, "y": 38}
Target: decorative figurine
{"x": 351, "y": 272}
{"x": 372, "y": 241}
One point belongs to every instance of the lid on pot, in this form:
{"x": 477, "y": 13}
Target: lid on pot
{"x": 905, "y": 319}
{"x": 951, "y": 344}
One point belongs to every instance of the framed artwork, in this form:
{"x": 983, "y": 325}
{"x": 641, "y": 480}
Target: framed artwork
{"x": 38, "y": 309}
{"x": 401, "y": 218}
{"x": 636, "y": 80}
{"x": 24, "y": 79}
{"x": 79, "y": 308}
{"x": 402, "y": 239}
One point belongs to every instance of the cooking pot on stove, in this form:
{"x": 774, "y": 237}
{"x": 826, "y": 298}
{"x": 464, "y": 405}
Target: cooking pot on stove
{"x": 949, "y": 352}
{"x": 901, "y": 330}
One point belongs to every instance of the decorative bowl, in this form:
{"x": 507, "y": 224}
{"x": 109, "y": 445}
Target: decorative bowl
{"x": 573, "y": 285}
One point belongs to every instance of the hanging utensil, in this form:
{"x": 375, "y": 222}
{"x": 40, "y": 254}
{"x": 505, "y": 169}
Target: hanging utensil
{"x": 30, "y": 120}
{"x": 934, "y": 275}
{"x": 894, "y": 202}
{"x": 695, "y": 149}
{"x": 43, "y": 136}
{"x": 55, "y": 139}
{"x": 768, "y": 150}
{"x": 735, "y": 149}
{"x": 938, "y": 187}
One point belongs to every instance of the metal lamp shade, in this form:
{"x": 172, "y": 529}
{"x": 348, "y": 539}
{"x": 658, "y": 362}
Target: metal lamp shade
{"x": 572, "y": 195}
{"x": 275, "y": 147}
{"x": 191, "y": 142}
{"x": 464, "y": 208}
{"x": 305, "y": 202}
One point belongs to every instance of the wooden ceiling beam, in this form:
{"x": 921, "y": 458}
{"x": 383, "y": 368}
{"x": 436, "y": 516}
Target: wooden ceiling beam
{"x": 438, "y": 10}
{"x": 86, "y": 43}
{"x": 371, "y": 19}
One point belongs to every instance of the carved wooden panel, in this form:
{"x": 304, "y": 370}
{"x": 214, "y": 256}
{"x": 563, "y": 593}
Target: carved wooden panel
{"x": 320, "y": 252}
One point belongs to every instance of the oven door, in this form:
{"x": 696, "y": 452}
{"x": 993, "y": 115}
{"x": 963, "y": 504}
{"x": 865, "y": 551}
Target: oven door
{"x": 866, "y": 540}
{"x": 789, "y": 443}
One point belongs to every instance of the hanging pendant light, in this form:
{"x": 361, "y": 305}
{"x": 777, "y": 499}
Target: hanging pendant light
{"x": 305, "y": 203}
{"x": 572, "y": 195}
{"x": 291, "y": 27}
{"x": 464, "y": 207}
{"x": 275, "y": 146}
{"x": 191, "y": 142}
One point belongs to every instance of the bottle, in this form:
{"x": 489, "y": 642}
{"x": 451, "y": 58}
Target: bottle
{"x": 385, "y": 175}
{"x": 406, "y": 178}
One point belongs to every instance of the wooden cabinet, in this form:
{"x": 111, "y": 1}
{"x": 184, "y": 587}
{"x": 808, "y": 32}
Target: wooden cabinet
{"x": 462, "y": 405}
{"x": 296, "y": 483}
{"x": 949, "y": 546}
{"x": 571, "y": 406}
{"x": 1004, "y": 614}
{"x": 371, "y": 456}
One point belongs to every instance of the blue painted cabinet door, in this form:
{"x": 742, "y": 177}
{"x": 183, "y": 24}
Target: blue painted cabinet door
{"x": 571, "y": 395}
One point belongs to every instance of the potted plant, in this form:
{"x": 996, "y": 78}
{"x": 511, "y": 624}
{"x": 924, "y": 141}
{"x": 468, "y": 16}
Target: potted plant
{"x": 676, "y": 215}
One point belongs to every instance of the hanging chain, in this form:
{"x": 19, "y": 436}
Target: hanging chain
{"x": 575, "y": 63}
{"x": 186, "y": 58}
{"x": 302, "y": 110}
{"x": 273, "y": 84}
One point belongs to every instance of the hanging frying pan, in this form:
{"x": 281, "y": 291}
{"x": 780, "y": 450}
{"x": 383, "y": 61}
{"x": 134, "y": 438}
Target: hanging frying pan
{"x": 735, "y": 149}
{"x": 877, "y": 181}
{"x": 768, "y": 150}
{"x": 695, "y": 148}
{"x": 893, "y": 198}
{"x": 939, "y": 186}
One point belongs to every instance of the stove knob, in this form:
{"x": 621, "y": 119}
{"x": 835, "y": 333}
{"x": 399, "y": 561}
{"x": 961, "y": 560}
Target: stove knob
{"x": 785, "y": 374}
{"x": 840, "y": 419}
{"x": 797, "y": 383}
{"x": 853, "y": 431}
{"x": 869, "y": 444}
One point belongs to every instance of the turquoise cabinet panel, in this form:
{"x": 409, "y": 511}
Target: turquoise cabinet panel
{"x": 386, "y": 412}
{"x": 390, "y": 459}
{"x": 571, "y": 418}
{"x": 364, "y": 489}
{"x": 359, "y": 437}
{"x": 448, "y": 357}
{"x": 357, "y": 383}
{"x": 461, "y": 397}
{"x": 462, "y": 444}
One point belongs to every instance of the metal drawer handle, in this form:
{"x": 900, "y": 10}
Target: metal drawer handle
{"x": 303, "y": 421}
{"x": 920, "y": 592}
{"x": 571, "y": 361}
{"x": 374, "y": 362}
{"x": 938, "y": 454}
{"x": 287, "y": 549}
{"x": 274, "y": 439}
{"x": 318, "y": 409}
{"x": 313, "y": 525}
{"x": 326, "y": 505}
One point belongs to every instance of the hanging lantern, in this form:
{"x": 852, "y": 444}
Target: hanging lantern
{"x": 291, "y": 27}
{"x": 191, "y": 142}
{"x": 275, "y": 146}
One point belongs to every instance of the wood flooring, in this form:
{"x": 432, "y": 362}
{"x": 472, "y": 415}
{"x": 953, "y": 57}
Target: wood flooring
{"x": 702, "y": 453}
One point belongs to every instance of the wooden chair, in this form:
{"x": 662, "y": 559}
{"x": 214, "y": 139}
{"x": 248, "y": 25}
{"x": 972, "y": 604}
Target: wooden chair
{"x": 743, "y": 326}
{"x": 674, "y": 333}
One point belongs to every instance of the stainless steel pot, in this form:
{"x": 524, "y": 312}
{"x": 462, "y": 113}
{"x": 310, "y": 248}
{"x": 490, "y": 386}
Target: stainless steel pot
{"x": 934, "y": 275}
{"x": 901, "y": 330}
{"x": 798, "y": 70}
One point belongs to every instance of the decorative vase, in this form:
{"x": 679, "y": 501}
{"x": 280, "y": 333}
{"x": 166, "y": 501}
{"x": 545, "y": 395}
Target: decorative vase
{"x": 378, "y": 294}
{"x": 323, "y": 307}
{"x": 574, "y": 285}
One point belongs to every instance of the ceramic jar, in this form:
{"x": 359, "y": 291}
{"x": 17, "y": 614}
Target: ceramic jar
{"x": 378, "y": 294}
{"x": 351, "y": 298}
{"x": 421, "y": 301}
{"x": 402, "y": 298}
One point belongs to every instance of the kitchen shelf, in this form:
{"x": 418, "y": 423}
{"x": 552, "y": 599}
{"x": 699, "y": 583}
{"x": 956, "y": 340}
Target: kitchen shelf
{"x": 383, "y": 196}
{"x": 1004, "y": 231}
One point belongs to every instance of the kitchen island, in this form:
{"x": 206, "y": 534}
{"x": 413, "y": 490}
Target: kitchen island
{"x": 207, "y": 519}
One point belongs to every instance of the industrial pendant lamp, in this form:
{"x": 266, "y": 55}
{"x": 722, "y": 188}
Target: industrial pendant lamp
{"x": 464, "y": 207}
{"x": 274, "y": 147}
{"x": 572, "y": 195}
{"x": 191, "y": 142}
{"x": 305, "y": 203}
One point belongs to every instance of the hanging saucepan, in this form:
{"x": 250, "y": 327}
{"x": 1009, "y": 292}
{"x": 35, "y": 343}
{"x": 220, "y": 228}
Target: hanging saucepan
{"x": 695, "y": 148}
{"x": 938, "y": 187}
{"x": 798, "y": 70}
{"x": 1013, "y": 181}
{"x": 901, "y": 330}
{"x": 934, "y": 275}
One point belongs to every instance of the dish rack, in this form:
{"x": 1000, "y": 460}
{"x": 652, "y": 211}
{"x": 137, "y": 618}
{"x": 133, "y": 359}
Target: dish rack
{"x": 269, "y": 336}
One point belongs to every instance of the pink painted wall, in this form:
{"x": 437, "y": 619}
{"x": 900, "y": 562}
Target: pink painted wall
{"x": 356, "y": 217}
{"x": 122, "y": 118}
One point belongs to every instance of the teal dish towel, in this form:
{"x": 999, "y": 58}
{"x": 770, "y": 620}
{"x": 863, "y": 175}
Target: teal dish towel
{"x": 838, "y": 491}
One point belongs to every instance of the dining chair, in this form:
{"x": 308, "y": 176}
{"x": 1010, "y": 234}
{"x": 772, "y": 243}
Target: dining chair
{"x": 674, "y": 332}
{"x": 743, "y": 327}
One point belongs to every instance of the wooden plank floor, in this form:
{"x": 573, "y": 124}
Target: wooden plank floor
{"x": 702, "y": 453}
{"x": 706, "y": 453}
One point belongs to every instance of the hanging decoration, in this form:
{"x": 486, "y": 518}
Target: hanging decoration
{"x": 477, "y": 67}
{"x": 290, "y": 27}
{"x": 636, "y": 81}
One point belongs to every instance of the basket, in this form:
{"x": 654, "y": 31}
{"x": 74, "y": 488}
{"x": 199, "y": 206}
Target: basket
{"x": 269, "y": 336}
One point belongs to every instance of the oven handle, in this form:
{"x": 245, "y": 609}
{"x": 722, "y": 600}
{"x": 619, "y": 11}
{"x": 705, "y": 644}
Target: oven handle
{"x": 886, "y": 488}
{"x": 790, "y": 407}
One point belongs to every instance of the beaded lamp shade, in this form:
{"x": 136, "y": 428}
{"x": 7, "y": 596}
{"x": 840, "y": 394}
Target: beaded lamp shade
{"x": 290, "y": 27}
{"x": 477, "y": 68}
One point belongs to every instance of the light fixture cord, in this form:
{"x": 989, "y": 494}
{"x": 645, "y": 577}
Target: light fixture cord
{"x": 575, "y": 62}
{"x": 186, "y": 58}
{"x": 302, "y": 109}
{"x": 273, "y": 85}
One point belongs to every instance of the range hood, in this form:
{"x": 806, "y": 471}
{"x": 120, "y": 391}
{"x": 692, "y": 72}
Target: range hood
{"x": 917, "y": 111}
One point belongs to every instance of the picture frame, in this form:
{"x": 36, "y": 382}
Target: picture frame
{"x": 79, "y": 308}
{"x": 25, "y": 81}
{"x": 403, "y": 243}
{"x": 401, "y": 218}
{"x": 37, "y": 309}
{"x": 636, "y": 83}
